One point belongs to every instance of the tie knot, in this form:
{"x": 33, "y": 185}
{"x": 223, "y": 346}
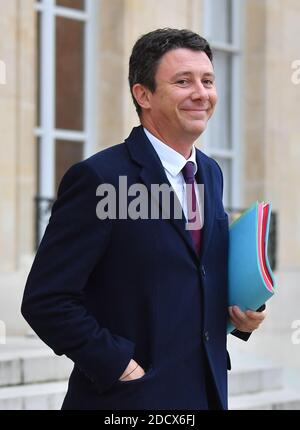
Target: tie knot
{"x": 188, "y": 172}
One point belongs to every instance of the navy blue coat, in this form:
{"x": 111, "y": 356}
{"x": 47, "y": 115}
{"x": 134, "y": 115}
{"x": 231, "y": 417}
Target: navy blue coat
{"x": 105, "y": 291}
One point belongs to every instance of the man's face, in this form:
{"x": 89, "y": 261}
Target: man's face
{"x": 185, "y": 95}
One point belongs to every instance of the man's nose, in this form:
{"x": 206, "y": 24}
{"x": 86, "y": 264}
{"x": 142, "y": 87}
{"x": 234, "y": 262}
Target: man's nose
{"x": 199, "y": 92}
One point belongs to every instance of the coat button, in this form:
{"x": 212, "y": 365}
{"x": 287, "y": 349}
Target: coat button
{"x": 203, "y": 271}
{"x": 206, "y": 336}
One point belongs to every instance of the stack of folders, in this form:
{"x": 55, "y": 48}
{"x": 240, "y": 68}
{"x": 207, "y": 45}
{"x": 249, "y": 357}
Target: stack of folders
{"x": 250, "y": 278}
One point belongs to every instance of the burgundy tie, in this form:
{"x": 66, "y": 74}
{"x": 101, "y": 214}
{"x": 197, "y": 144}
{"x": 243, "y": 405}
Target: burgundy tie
{"x": 193, "y": 208}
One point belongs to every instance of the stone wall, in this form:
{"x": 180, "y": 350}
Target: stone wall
{"x": 17, "y": 154}
{"x": 270, "y": 111}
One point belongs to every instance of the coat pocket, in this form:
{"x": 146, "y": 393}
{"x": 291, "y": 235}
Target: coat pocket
{"x": 148, "y": 374}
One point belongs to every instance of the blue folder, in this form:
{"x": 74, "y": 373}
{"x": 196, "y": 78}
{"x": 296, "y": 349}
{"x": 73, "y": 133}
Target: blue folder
{"x": 247, "y": 287}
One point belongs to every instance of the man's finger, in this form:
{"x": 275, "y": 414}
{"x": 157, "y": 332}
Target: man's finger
{"x": 239, "y": 314}
{"x": 257, "y": 316}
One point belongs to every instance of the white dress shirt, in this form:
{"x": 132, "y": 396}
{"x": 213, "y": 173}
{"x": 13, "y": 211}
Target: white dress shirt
{"x": 173, "y": 163}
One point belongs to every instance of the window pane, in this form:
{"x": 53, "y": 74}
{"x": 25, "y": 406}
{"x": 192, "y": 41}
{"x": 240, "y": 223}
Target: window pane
{"x": 67, "y": 153}
{"x": 37, "y": 164}
{"x": 226, "y": 166}
{"x": 73, "y": 4}
{"x": 221, "y": 13}
{"x": 38, "y": 69}
{"x": 220, "y": 123}
{"x": 43, "y": 204}
{"x": 69, "y": 73}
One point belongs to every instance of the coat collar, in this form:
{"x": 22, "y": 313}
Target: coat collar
{"x": 171, "y": 160}
{"x": 152, "y": 172}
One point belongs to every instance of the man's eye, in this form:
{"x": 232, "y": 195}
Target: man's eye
{"x": 182, "y": 82}
{"x": 208, "y": 82}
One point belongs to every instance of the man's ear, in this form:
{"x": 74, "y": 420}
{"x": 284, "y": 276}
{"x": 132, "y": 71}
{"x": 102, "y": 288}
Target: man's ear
{"x": 141, "y": 95}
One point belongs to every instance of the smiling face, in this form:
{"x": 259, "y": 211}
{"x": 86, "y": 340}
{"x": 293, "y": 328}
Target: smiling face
{"x": 183, "y": 101}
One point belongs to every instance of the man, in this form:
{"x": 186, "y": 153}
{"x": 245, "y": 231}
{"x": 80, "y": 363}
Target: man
{"x": 140, "y": 304}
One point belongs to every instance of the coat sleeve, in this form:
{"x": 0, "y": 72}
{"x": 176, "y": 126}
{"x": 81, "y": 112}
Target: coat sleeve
{"x": 53, "y": 301}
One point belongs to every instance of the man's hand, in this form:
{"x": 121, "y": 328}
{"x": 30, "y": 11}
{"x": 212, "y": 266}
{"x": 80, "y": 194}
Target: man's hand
{"x": 245, "y": 321}
{"x": 132, "y": 371}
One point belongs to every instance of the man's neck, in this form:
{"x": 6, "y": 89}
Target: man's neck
{"x": 182, "y": 147}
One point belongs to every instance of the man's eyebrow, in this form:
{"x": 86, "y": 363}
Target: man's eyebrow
{"x": 188, "y": 73}
{"x": 179, "y": 74}
{"x": 209, "y": 74}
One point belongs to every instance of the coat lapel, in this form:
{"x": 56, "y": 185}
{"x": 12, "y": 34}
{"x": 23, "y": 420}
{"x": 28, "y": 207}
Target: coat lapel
{"x": 148, "y": 177}
{"x": 152, "y": 172}
{"x": 205, "y": 176}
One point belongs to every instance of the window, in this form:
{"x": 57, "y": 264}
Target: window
{"x": 222, "y": 139}
{"x": 64, "y": 132}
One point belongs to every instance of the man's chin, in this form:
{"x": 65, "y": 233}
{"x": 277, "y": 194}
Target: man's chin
{"x": 196, "y": 128}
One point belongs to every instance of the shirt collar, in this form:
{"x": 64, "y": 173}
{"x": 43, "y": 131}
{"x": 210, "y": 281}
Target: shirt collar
{"x": 172, "y": 161}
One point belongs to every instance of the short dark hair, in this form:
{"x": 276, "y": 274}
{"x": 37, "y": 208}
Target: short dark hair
{"x": 149, "y": 49}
